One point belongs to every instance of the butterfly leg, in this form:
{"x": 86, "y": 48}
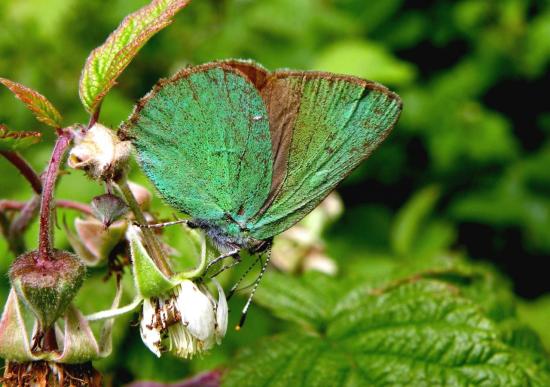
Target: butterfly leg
{"x": 233, "y": 253}
{"x": 237, "y": 260}
{"x": 189, "y": 223}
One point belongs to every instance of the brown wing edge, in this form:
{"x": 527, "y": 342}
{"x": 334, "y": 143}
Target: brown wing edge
{"x": 255, "y": 72}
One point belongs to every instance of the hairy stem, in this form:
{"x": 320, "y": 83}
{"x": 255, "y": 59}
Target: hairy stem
{"x": 151, "y": 242}
{"x": 45, "y": 242}
{"x": 25, "y": 169}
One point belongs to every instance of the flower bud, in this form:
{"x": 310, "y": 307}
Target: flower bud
{"x": 108, "y": 208}
{"x": 93, "y": 242}
{"x": 326, "y": 213}
{"x": 49, "y": 287}
{"x": 317, "y": 261}
{"x": 142, "y": 195}
{"x": 100, "y": 153}
{"x": 301, "y": 247}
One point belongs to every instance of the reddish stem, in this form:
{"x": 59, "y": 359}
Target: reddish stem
{"x": 20, "y": 224}
{"x": 94, "y": 117}
{"x": 45, "y": 241}
{"x": 26, "y": 170}
{"x": 15, "y": 205}
{"x": 84, "y": 208}
{"x": 50, "y": 341}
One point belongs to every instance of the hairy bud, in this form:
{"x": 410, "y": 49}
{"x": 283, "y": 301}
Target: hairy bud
{"x": 101, "y": 154}
{"x": 47, "y": 289}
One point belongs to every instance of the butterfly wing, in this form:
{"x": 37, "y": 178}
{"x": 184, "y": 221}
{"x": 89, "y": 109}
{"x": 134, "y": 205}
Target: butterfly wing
{"x": 322, "y": 126}
{"x": 202, "y": 137}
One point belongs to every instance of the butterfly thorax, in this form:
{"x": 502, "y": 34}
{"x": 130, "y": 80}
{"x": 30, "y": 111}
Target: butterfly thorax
{"x": 229, "y": 236}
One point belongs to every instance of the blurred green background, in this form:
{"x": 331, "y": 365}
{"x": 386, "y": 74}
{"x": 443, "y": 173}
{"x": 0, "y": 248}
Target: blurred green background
{"x": 466, "y": 171}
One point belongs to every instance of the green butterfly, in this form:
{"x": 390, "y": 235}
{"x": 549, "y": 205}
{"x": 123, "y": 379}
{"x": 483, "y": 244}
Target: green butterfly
{"x": 247, "y": 153}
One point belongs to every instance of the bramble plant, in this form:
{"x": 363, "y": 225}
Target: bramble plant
{"x": 434, "y": 318}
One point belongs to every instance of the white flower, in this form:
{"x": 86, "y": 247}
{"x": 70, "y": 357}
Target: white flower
{"x": 185, "y": 322}
{"x": 100, "y": 153}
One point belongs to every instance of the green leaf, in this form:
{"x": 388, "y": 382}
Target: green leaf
{"x": 366, "y": 60}
{"x": 420, "y": 332}
{"x": 108, "y": 61}
{"x": 13, "y": 141}
{"x": 43, "y": 110}
{"x": 536, "y": 314}
{"x": 409, "y": 219}
{"x": 307, "y": 301}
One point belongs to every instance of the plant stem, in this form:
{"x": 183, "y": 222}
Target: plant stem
{"x": 81, "y": 207}
{"x": 151, "y": 241}
{"x": 94, "y": 117}
{"x": 105, "y": 314}
{"x": 26, "y": 170}
{"x": 21, "y": 223}
{"x": 45, "y": 241}
{"x": 15, "y": 205}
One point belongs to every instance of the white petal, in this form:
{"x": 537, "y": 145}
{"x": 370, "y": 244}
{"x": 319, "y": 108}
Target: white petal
{"x": 104, "y": 141}
{"x": 222, "y": 312}
{"x": 196, "y": 310}
{"x": 151, "y": 337}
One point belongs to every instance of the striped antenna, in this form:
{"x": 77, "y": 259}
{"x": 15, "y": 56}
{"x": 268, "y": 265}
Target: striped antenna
{"x": 234, "y": 287}
{"x": 251, "y": 296}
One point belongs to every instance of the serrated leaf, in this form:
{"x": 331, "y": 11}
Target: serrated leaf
{"x": 108, "y": 61}
{"x": 307, "y": 301}
{"x": 12, "y": 141}
{"x": 43, "y": 109}
{"x": 421, "y": 332}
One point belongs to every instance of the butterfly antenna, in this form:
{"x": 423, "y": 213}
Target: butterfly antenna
{"x": 234, "y": 287}
{"x": 251, "y": 296}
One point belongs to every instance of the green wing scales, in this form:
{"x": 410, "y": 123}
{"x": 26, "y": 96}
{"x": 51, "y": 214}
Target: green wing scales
{"x": 203, "y": 139}
{"x": 322, "y": 126}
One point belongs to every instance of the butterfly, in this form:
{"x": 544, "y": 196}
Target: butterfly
{"x": 247, "y": 152}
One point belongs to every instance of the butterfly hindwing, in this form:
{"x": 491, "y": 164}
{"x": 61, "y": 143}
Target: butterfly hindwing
{"x": 203, "y": 139}
{"x": 323, "y": 125}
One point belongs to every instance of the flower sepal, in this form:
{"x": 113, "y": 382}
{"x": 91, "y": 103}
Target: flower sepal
{"x": 148, "y": 279}
{"x": 76, "y": 344}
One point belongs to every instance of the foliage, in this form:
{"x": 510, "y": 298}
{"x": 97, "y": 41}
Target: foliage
{"x": 414, "y": 332}
{"x": 108, "y": 61}
{"x": 463, "y": 177}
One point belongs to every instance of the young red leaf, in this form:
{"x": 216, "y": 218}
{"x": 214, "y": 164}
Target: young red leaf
{"x": 12, "y": 141}
{"x": 43, "y": 109}
{"x": 106, "y": 63}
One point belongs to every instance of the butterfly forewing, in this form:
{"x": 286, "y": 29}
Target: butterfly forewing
{"x": 203, "y": 139}
{"x": 323, "y": 126}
